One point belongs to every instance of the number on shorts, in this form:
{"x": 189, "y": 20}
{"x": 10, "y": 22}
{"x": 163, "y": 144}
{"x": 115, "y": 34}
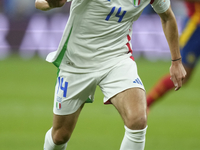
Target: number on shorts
{"x": 63, "y": 88}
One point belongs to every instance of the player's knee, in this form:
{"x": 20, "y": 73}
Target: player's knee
{"x": 61, "y": 137}
{"x": 136, "y": 121}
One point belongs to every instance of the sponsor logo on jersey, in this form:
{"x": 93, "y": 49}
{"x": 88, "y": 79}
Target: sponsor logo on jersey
{"x": 136, "y": 3}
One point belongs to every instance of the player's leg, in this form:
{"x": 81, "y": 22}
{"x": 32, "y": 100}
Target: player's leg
{"x": 123, "y": 88}
{"x": 69, "y": 98}
{"x": 63, "y": 125}
{"x": 131, "y": 105}
{"x": 159, "y": 89}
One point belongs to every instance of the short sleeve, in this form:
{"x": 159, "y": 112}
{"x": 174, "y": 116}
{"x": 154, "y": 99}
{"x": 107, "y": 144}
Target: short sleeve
{"x": 160, "y": 6}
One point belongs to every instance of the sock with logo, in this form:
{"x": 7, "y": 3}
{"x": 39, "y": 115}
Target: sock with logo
{"x": 49, "y": 144}
{"x": 162, "y": 87}
{"x": 133, "y": 139}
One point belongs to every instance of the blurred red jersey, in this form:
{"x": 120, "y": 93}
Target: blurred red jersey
{"x": 193, "y": 8}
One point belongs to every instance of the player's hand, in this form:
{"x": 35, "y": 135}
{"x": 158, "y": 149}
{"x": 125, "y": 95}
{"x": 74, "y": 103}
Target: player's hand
{"x": 177, "y": 73}
{"x": 42, "y": 5}
{"x": 48, "y": 4}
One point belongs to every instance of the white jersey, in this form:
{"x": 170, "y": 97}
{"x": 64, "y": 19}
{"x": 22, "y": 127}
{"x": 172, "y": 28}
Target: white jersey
{"x": 98, "y": 33}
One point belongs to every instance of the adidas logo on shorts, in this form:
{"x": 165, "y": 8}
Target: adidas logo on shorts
{"x": 138, "y": 81}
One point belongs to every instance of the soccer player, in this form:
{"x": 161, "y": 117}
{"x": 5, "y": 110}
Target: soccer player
{"x": 190, "y": 51}
{"x": 95, "y": 49}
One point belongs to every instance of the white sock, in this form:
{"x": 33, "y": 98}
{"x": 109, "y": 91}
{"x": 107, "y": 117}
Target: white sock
{"x": 133, "y": 139}
{"x": 49, "y": 144}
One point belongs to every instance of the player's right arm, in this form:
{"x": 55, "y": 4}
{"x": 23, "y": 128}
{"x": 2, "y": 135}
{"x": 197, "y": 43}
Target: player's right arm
{"x": 170, "y": 29}
{"x": 49, "y": 4}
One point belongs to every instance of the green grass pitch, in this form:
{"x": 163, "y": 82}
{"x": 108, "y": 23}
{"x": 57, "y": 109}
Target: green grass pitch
{"x": 26, "y": 99}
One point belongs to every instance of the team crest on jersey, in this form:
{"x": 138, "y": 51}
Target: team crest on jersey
{"x": 136, "y": 3}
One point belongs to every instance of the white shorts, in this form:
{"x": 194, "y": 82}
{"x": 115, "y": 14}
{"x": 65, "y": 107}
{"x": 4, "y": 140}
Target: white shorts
{"x": 74, "y": 89}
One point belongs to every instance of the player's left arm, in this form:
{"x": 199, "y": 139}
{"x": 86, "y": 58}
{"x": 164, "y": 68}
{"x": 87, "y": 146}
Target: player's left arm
{"x": 170, "y": 29}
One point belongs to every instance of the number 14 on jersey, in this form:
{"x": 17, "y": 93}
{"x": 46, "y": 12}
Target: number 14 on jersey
{"x": 116, "y": 15}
